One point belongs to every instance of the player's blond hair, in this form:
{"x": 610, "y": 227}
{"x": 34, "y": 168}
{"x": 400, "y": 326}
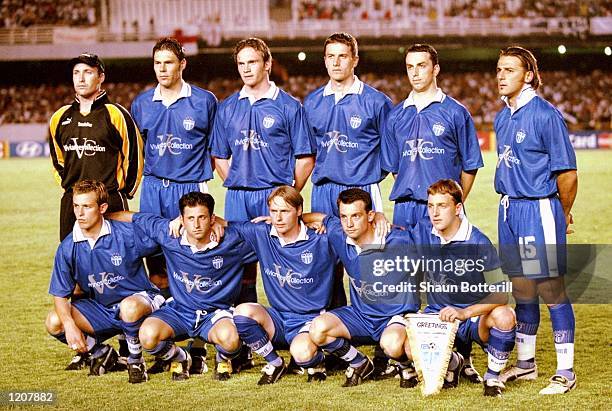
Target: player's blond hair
{"x": 92, "y": 186}
{"x": 447, "y": 186}
{"x": 289, "y": 194}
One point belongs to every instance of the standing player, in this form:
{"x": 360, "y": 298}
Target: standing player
{"x": 537, "y": 179}
{"x": 297, "y": 267}
{"x": 264, "y": 132}
{"x": 347, "y": 118}
{"x": 104, "y": 258}
{"x": 430, "y": 136}
{"x": 204, "y": 282}
{"x": 175, "y": 119}
{"x": 369, "y": 318}
{"x": 94, "y": 139}
{"x": 485, "y": 317}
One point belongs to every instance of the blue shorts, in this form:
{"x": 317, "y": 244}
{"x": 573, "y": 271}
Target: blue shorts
{"x": 187, "y": 323}
{"x": 105, "y": 321}
{"x": 532, "y": 237}
{"x": 288, "y": 325}
{"x": 409, "y": 212}
{"x": 324, "y": 196}
{"x": 365, "y": 329}
{"x": 244, "y": 205}
{"x": 161, "y": 197}
{"x": 468, "y": 331}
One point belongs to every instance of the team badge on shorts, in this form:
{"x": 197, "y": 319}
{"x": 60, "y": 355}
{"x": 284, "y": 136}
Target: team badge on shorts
{"x": 188, "y": 123}
{"x": 217, "y": 262}
{"x": 520, "y": 136}
{"x": 116, "y": 259}
{"x": 355, "y": 121}
{"x": 306, "y": 257}
{"x": 268, "y": 121}
{"x": 438, "y": 129}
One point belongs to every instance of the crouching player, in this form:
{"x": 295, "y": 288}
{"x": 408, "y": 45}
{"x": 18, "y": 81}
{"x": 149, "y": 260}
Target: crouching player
{"x": 104, "y": 258}
{"x": 297, "y": 268}
{"x": 368, "y": 319}
{"x": 485, "y": 317}
{"x": 204, "y": 279}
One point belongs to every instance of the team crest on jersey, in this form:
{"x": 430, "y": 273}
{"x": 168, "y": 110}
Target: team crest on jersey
{"x": 306, "y": 257}
{"x": 116, "y": 259}
{"x": 355, "y": 121}
{"x": 268, "y": 121}
{"x": 188, "y": 123}
{"x": 520, "y": 136}
{"x": 217, "y": 262}
{"x": 438, "y": 129}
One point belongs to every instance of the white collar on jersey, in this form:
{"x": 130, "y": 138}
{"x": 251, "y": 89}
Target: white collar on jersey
{"x": 438, "y": 97}
{"x": 524, "y": 97}
{"x": 78, "y": 236}
{"x": 378, "y": 244}
{"x": 272, "y": 93}
{"x": 185, "y": 92}
{"x": 302, "y": 236}
{"x": 463, "y": 233}
{"x": 356, "y": 88}
{"x": 212, "y": 244}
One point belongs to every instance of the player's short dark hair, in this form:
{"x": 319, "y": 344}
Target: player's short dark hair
{"x": 92, "y": 186}
{"x": 447, "y": 186}
{"x": 289, "y": 194}
{"x": 171, "y": 44}
{"x": 196, "y": 198}
{"x": 344, "y": 38}
{"x": 423, "y": 48}
{"x": 256, "y": 44}
{"x": 527, "y": 59}
{"x": 353, "y": 195}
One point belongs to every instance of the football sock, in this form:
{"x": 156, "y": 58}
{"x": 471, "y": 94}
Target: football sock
{"x": 131, "y": 337}
{"x": 315, "y": 360}
{"x": 343, "y": 349}
{"x": 257, "y": 339}
{"x": 224, "y": 355}
{"x": 501, "y": 344}
{"x": 527, "y": 322}
{"x": 564, "y": 326}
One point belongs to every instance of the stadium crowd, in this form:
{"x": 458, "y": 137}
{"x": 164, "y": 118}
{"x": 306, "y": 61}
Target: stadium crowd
{"x": 390, "y": 10}
{"x": 22, "y": 13}
{"x": 477, "y": 91}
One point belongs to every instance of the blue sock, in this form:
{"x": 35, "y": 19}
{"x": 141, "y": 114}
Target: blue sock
{"x": 167, "y": 350}
{"x": 343, "y": 349}
{"x": 130, "y": 329}
{"x": 315, "y": 360}
{"x": 501, "y": 344}
{"x": 257, "y": 339}
{"x": 564, "y": 327}
{"x": 527, "y": 323}
{"x": 224, "y": 355}
{"x": 61, "y": 337}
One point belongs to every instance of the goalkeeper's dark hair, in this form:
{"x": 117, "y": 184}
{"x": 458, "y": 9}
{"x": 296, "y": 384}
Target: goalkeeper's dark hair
{"x": 196, "y": 198}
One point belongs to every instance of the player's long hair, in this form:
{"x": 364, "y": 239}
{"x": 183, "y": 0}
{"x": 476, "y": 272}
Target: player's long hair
{"x": 353, "y": 195}
{"x": 343, "y": 38}
{"x": 196, "y": 198}
{"x": 290, "y": 195}
{"x": 527, "y": 59}
{"x": 447, "y": 186}
{"x": 92, "y": 186}
{"x": 171, "y": 44}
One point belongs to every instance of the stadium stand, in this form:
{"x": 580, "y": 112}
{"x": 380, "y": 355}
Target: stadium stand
{"x": 476, "y": 90}
{"x": 26, "y": 13}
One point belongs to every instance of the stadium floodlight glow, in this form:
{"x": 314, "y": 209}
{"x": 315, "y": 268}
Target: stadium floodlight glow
{"x": 608, "y": 51}
{"x": 561, "y": 49}
{"x": 301, "y": 56}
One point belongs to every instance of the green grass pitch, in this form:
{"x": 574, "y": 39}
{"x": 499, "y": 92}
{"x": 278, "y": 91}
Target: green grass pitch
{"x": 31, "y": 360}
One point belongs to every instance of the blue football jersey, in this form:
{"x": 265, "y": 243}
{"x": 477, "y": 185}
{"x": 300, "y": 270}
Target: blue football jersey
{"x": 297, "y": 277}
{"x": 348, "y": 135}
{"x": 177, "y": 137}
{"x": 367, "y": 294}
{"x": 532, "y": 144}
{"x": 262, "y": 139}
{"x": 422, "y": 147}
{"x": 107, "y": 273}
{"x": 459, "y": 263}
{"x": 199, "y": 280}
